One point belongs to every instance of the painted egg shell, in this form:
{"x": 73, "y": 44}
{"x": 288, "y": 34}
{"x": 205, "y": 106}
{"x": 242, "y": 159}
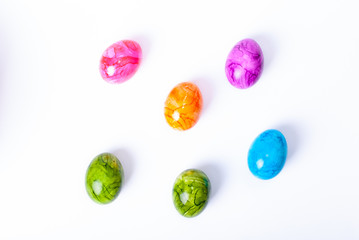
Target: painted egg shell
{"x": 244, "y": 64}
{"x": 183, "y": 106}
{"x": 191, "y": 192}
{"x": 120, "y": 61}
{"x": 104, "y": 178}
{"x": 267, "y": 155}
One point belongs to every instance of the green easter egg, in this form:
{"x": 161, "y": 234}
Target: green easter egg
{"x": 104, "y": 178}
{"x": 191, "y": 192}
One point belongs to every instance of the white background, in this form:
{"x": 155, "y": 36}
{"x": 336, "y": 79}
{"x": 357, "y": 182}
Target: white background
{"x": 57, "y": 114}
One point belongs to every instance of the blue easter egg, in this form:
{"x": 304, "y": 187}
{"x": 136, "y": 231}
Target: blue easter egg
{"x": 267, "y": 155}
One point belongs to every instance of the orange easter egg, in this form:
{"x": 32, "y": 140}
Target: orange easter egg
{"x": 183, "y": 106}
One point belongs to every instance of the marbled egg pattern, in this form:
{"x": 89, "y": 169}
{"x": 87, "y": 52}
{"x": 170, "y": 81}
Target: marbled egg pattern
{"x": 120, "y": 61}
{"x": 267, "y": 155}
{"x": 183, "y": 106}
{"x": 244, "y": 64}
{"x": 191, "y": 192}
{"x": 104, "y": 178}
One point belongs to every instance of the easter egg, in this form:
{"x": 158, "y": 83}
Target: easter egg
{"x": 191, "y": 192}
{"x": 120, "y": 61}
{"x": 267, "y": 155}
{"x": 104, "y": 178}
{"x": 183, "y": 106}
{"x": 244, "y": 64}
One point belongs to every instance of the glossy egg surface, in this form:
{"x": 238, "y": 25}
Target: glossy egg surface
{"x": 267, "y": 155}
{"x": 183, "y": 106}
{"x": 244, "y": 64}
{"x": 120, "y": 61}
{"x": 104, "y": 178}
{"x": 191, "y": 192}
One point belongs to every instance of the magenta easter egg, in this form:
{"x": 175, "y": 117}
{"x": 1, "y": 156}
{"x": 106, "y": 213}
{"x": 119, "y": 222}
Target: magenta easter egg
{"x": 244, "y": 64}
{"x": 120, "y": 61}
